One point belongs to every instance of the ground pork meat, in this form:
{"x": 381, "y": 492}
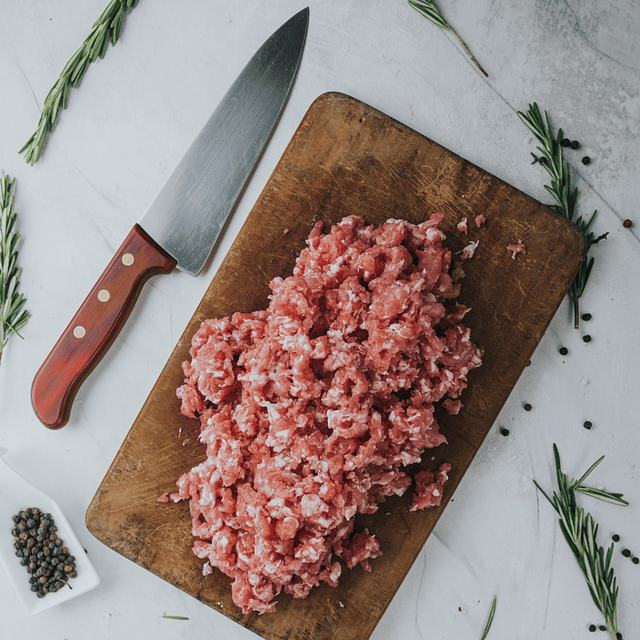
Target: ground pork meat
{"x": 429, "y": 487}
{"x": 311, "y": 409}
{"x": 480, "y": 220}
{"x": 469, "y": 250}
{"x": 516, "y": 248}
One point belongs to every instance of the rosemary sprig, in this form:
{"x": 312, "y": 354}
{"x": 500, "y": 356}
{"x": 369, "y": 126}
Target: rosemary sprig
{"x": 581, "y": 533}
{"x": 492, "y": 613}
{"x": 106, "y": 29}
{"x": 12, "y": 314}
{"x": 430, "y": 11}
{"x": 564, "y": 195}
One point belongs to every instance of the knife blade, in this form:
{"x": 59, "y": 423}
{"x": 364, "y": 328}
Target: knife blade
{"x": 182, "y": 224}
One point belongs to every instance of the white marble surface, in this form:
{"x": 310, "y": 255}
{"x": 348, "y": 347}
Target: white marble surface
{"x": 126, "y": 127}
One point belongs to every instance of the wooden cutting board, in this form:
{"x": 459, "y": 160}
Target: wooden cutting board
{"x": 347, "y": 158}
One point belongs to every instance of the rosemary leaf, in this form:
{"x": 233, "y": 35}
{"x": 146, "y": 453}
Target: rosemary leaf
{"x": 12, "y": 314}
{"x": 612, "y": 498}
{"x": 430, "y": 11}
{"x": 581, "y": 533}
{"x": 106, "y": 29}
{"x": 164, "y": 615}
{"x": 564, "y": 195}
{"x": 492, "y": 613}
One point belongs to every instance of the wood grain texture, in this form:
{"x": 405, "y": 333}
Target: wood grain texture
{"x": 347, "y": 158}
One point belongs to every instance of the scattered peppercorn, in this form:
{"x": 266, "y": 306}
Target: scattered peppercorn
{"x": 586, "y": 338}
{"x": 626, "y": 553}
{"x": 635, "y": 560}
{"x": 602, "y": 627}
{"x": 587, "y": 424}
{"x": 592, "y": 628}
{"x": 504, "y": 432}
{"x": 565, "y": 142}
{"x": 615, "y": 537}
{"x": 618, "y": 635}
{"x": 586, "y": 317}
{"x": 586, "y": 160}
{"x": 574, "y": 144}
{"x": 563, "y": 351}
{"x": 627, "y": 223}
{"x": 49, "y": 566}
{"x": 527, "y": 407}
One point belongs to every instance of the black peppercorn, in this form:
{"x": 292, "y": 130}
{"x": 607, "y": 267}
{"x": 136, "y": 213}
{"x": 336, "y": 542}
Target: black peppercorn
{"x": 602, "y": 627}
{"x": 563, "y": 351}
{"x": 626, "y": 553}
{"x": 586, "y": 160}
{"x": 42, "y": 551}
{"x": 574, "y": 144}
{"x": 635, "y": 560}
{"x": 592, "y": 627}
{"x": 586, "y": 338}
{"x": 615, "y": 537}
{"x": 587, "y": 424}
{"x": 527, "y": 407}
{"x": 627, "y": 223}
{"x": 504, "y": 432}
{"x": 565, "y": 142}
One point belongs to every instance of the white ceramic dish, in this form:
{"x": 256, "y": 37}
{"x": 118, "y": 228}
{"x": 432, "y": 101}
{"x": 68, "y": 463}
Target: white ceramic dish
{"x": 17, "y": 494}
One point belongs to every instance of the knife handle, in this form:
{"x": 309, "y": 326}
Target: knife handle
{"x": 95, "y": 326}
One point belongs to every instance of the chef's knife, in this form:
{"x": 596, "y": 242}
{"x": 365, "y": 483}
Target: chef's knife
{"x": 182, "y": 224}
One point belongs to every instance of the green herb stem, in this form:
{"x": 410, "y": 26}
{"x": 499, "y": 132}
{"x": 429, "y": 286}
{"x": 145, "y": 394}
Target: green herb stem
{"x": 581, "y": 532}
{"x": 492, "y": 613}
{"x": 12, "y": 314}
{"x": 564, "y": 194}
{"x": 430, "y": 11}
{"x": 107, "y": 28}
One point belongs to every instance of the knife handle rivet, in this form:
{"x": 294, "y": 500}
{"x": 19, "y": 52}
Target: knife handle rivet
{"x": 127, "y": 259}
{"x": 79, "y": 331}
{"x": 103, "y": 295}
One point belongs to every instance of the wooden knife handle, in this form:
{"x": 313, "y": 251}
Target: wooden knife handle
{"x": 95, "y": 326}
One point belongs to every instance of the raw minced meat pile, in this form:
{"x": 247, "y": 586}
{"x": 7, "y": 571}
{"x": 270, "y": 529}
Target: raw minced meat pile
{"x": 311, "y": 409}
